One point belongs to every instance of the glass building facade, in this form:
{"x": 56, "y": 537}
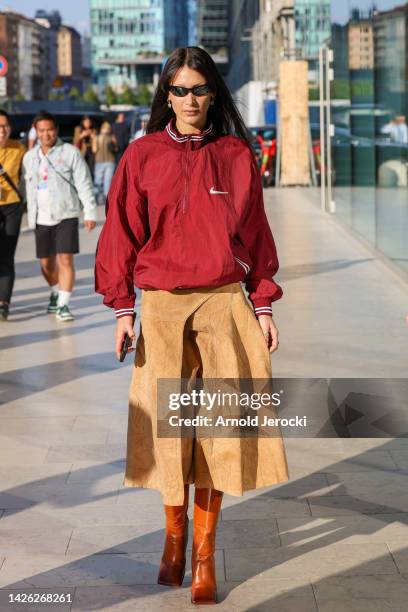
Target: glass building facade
{"x": 312, "y": 25}
{"x": 369, "y": 106}
{"x": 120, "y": 29}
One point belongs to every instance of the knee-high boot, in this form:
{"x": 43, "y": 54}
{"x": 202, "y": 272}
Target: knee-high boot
{"x": 207, "y": 505}
{"x": 173, "y": 562}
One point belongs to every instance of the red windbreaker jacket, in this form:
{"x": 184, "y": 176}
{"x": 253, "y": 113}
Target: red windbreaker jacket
{"x": 186, "y": 211}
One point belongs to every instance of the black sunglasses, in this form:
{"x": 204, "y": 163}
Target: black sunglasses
{"x": 197, "y": 90}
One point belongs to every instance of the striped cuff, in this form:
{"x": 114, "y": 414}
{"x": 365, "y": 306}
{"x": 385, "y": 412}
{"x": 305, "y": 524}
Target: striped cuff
{"x": 263, "y": 310}
{"x": 124, "y": 312}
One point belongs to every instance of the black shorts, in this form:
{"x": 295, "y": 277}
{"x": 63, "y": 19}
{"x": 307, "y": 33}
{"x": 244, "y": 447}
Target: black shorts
{"x": 60, "y": 238}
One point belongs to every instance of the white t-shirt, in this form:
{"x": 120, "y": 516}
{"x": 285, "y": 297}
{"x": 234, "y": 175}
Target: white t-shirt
{"x": 32, "y": 134}
{"x": 139, "y": 133}
{"x": 43, "y": 195}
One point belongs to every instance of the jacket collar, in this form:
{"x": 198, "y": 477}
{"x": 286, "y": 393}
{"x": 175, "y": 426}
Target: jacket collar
{"x": 180, "y": 141}
{"x": 39, "y": 154}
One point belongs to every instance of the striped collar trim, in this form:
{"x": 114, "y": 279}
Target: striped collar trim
{"x": 173, "y": 133}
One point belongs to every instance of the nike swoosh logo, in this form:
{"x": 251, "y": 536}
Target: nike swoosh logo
{"x": 213, "y": 191}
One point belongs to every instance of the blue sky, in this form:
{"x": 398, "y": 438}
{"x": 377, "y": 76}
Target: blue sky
{"x": 76, "y": 13}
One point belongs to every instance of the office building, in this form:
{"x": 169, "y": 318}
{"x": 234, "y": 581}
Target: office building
{"x": 50, "y": 22}
{"x": 127, "y": 41}
{"x": 360, "y": 42}
{"x": 176, "y": 24}
{"x": 212, "y": 25}
{"x": 21, "y": 43}
{"x": 313, "y": 26}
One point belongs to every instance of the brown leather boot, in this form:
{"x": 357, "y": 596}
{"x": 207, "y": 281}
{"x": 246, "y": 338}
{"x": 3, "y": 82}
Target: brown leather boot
{"x": 173, "y": 562}
{"x": 207, "y": 505}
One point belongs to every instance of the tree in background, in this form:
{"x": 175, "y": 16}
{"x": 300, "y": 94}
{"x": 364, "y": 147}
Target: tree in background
{"x": 75, "y": 94}
{"x": 90, "y": 96}
{"x": 128, "y": 96}
{"x": 111, "y": 96}
{"x": 144, "y": 97}
{"x": 56, "y": 94}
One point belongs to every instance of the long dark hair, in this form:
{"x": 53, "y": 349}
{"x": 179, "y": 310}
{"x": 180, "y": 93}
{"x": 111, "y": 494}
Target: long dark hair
{"x": 84, "y": 118}
{"x": 223, "y": 114}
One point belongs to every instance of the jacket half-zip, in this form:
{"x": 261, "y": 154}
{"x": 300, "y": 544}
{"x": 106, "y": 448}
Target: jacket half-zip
{"x": 186, "y": 172}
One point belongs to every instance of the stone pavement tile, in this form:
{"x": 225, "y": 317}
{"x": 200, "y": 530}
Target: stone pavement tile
{"x": 377, "y": 484}
{"x": 62, "y": 599}
{"x": 72, "y": 494}
{"x": 400, "y": 457}
{"x": 349, "y": 504}
{"x": 379, "y": 593}
{"x": 399, "y": 550}
{"x": 17, "y": 453}
{"x": 350, "y": 529}
{"x": 248, "y": 532}
{"x": 86, "y": 452}
{"x": 310, "y": 561}
{"x": 45, "y": 474}
{"x": 61, "y": 495}
{"x": 49, "y": 438}
{"x": 103, "y": 421}
{"x": 92, "y": 570}
{"x": 130, "y": 598}
{"x": 25, "y": 496}
{"x": 117, "y": 436}
{"x": 334, "y": 462}
{"x": 297, "y": 487}
{"x": 82, "y": 515}
{"x": 83, "y": 472}
{"x": 145, "y": 537}
{"x": 136, "y": 538}
{"x": 262, "y": 596}
{"x": 20, "y": 541}
{"x": 264, "y": 508}
{"x": 23, "y": 425}
{"x": 69, "y": 404}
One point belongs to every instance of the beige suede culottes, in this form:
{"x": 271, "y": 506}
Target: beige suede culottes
{"x": 210, "y": 332}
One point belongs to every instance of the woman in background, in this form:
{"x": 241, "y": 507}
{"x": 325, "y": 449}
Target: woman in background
{"x": 83, "y": 135}
{"x": 104, "y": 147}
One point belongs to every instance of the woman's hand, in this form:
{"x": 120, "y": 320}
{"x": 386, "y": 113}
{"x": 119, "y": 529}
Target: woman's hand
{"x": 124, "y": 325}
{"x": 269, "y": 329}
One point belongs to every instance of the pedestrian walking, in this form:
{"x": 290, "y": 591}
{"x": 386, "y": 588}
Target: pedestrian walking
{"x": 83, "y": 136}
{"x": 186, "y": 224}
{"x": 58, "y": 182}
{"x": 121, "y": 131}
{"x": 11, "y": 209}
{"x": 104, "y": 147}
{"x": 143, "y": 125}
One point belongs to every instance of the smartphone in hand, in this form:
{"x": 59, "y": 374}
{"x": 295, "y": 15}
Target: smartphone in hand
{"x": 127, "y": 342}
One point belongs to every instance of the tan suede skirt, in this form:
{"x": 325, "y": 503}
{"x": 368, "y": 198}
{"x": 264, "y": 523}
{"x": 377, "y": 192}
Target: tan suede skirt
{"x": 213, "y": 332}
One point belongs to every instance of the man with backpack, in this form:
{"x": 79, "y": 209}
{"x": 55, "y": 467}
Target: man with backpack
{"x": 58, "y": 182}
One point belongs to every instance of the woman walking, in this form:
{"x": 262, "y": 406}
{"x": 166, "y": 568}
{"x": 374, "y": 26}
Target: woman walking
{"x": 104, "y": 148}
{"x": 83, "y": 136}
{"x": 186, "y": 223}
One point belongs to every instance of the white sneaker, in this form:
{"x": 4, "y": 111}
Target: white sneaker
{"x": 64, "y": 314}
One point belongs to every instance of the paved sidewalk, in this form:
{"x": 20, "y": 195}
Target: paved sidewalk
{"x": 332, "y": 539}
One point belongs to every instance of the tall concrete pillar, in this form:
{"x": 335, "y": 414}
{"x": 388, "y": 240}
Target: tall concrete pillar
{"x": 294, "y": 123}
